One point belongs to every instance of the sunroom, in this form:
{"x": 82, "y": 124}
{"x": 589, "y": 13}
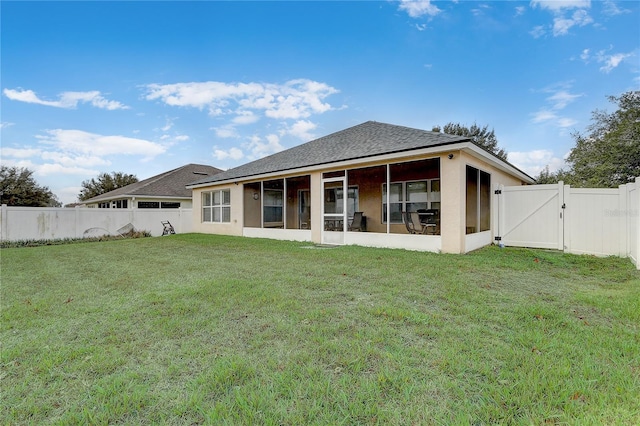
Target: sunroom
{"x": 387, "y": 186}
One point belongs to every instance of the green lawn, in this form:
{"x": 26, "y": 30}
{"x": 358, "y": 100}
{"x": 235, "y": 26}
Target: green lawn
{"x": 202, "y": 329}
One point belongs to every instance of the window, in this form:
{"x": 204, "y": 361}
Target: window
{"x": 148, "y": 204}
{"x": 273, "y": 203}
{"x": 115, "y": 204}
{"x": 169, "y": 205}
{"x": 410, "y": 197}
{"x": 334, "y": 199}
{"x": 216, "y": 206}
{"x": 478, "y": 206}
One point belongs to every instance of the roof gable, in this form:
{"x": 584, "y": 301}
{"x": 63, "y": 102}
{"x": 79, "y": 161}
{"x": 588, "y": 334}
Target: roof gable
{"x": 368, "y": 139}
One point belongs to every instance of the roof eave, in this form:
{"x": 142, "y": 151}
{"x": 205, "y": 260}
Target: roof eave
{"x": 476, "y": 151}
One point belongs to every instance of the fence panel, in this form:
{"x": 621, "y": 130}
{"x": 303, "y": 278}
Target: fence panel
{"x": 48, "y": 223}
{"x": 531, "y": 216}
{"x": 602, "y": 222}
{"x": 595, "y": 222}
{"x": 633, "y": 214}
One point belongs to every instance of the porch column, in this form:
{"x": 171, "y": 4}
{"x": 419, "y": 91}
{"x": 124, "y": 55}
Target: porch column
{"x": 316, "y": 207}
{"x": 452, "y": 204}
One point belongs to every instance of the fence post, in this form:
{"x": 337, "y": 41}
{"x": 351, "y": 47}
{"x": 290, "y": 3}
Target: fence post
{"x": 564, "y": 241}
{"x": 501, "y": 216}
{"x": 76, "y": 222}
{"x": 633, "y": 213}
{"x": 622, "y": 217}
{"x": 3, "y": 223}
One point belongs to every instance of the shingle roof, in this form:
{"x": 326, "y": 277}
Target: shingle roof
{"x": 168, "y": 184}
{"x": 364, "y": 140}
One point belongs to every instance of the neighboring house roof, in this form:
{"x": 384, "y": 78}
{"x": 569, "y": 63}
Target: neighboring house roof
{"x": 368, "y": 139}
{"x": 171, "y": 184}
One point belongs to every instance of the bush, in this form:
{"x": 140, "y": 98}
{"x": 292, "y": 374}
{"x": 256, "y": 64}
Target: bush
{"x": 55, "y": 242}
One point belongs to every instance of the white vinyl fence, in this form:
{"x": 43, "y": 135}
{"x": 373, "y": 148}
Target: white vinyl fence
{"x": 601, "y": 222}
{"x": 50, "y": 223}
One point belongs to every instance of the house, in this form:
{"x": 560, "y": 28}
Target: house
{"x": 164, "y": 191}
{"x": 389, "y": 174}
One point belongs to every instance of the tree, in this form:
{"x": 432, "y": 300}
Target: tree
{"x": 19, "y": 188}
{"x": 608, "y": 155}
{"x": 546, "y": 176}
{"x": 104, "y": 183}
{"x": 481, "y": 136}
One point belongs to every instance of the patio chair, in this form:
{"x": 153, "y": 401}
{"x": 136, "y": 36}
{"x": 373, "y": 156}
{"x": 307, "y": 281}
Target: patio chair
{"x": 359, "y": 222}
{"x": 430, "y": 220}
{"x": 418, "y": 226}
{"x": 408, "y": 222}
{"x": 168, "y": 228}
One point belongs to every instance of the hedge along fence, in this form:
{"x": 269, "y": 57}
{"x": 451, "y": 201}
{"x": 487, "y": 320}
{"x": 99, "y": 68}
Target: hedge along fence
{"x": 52, "y": 223}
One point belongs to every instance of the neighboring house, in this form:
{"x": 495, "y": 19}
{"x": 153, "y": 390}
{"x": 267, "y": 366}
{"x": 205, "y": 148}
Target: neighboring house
{"x": 164, "y": 191}
{"x": 386, "y": 171}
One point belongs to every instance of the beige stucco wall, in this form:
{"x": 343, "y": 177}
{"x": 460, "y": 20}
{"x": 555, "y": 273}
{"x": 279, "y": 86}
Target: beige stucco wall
{"x": 453, "y": 186}
{"x": 316, "y": 213}
{"x": 232, "y": 228}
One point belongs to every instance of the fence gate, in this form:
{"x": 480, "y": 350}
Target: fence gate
{"x": 530, "y": 216}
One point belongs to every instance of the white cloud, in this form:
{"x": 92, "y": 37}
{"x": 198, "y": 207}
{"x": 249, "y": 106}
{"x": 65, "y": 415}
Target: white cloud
{"x": 559, "y": 5}
{"x": 561, "y": 25}
{"x": 232, "y": 153}
{"x": 561, "y": 22}
{"x": 611, "y": 8}
{"x": 559, "y": 99}
{"x": 48, "y": 168}
{"x": 77, "y": 152}
{"x": 538, "y": 31}
{"x": 544, "y": 115}
{"x": 68, "y": 100}
{"x": 260, "y": 148}
{"x": 302, "y": 129}
{"x": 533, "y": 162}
{"x": 585, "y": 55}
{"x": 81, "y": 142}
{"x": 5, "y": 124}
{"x": 19, "y": 152}
{"x": 168, "y": 125}
{"x": 520, "y": 10}
{"x": 59, "y": 169}
{"x": 418, "y": 8}
{"x": 611, "y": 61}
{"x": 226, "y": 132}
{"x": 566, "y": 122}
{"x": 293, "y": 100}
{"x": 71, "y": 160}
{"x": 245, "y": 117}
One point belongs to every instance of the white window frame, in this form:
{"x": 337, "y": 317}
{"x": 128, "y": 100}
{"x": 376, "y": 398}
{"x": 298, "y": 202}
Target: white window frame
{"x": 220, "y": 207}
{"x": 432, "y": 197}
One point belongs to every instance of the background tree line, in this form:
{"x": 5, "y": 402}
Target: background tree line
{"x": 19, "y": 188}
{"x": 608, "y": 154}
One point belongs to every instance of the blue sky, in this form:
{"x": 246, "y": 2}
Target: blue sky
{"x": 144, "y": 87}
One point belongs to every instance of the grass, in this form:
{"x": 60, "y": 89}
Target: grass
{"x": 202, "y": 329}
